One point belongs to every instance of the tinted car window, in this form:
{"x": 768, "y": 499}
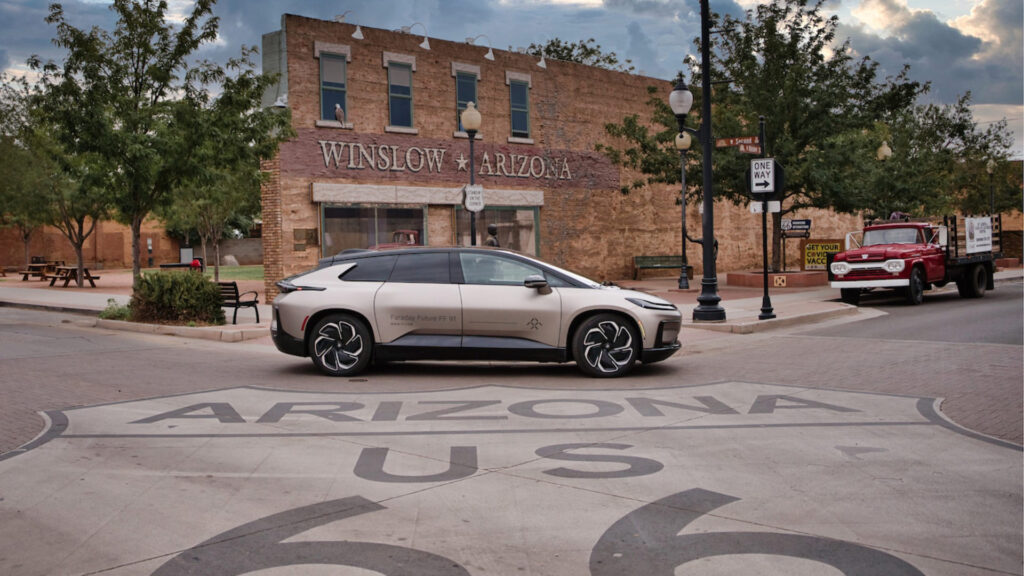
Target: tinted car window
{"x": 370, "y": 269}
{"x": 488, "y": 269}
{"x": 430, "y": 268}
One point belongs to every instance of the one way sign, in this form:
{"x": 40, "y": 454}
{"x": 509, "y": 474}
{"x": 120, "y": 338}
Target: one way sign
{"x": 762, "y": 175}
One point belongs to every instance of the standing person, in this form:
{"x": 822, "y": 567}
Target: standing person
{"x": 492, "y": 236}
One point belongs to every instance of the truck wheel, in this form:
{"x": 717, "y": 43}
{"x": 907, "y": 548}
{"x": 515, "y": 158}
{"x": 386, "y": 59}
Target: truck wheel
{"x": 340, "y": 345}
{"x": 850, "y": 295}
{"x": 915, "y": 290}
{"x": 976, "y": 281}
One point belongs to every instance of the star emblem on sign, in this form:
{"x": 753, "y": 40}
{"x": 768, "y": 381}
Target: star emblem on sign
{"x": 462, "y": 161}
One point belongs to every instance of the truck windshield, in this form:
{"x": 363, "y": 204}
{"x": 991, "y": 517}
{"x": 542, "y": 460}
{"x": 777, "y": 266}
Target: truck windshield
{"x": 890, "y": 236}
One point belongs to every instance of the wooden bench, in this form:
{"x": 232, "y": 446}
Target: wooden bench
{"x": 655, "y": 262}
{"x": 232, "y": 299}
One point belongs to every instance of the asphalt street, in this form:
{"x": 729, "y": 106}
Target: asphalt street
{"x": 792, "y": 451}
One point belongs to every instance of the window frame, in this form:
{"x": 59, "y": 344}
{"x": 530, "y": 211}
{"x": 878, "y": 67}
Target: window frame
{"x": 513, "y": 80}
{"x": 392, "y": 96}
{"x": 323, "y": 51}
{"x": 390, "y": 59}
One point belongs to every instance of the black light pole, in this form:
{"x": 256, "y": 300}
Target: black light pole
{"x": 470, "y": 119}
{"x": 990, "y": 167}
{"x": 767, "y": 312}
{"x": 708, "y": 309}
{"x": 680, "y": 100}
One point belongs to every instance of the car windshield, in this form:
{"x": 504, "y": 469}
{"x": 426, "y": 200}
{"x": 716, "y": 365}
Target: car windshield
{"x": 581, "y": 279}
{"x": 890, "y": 236}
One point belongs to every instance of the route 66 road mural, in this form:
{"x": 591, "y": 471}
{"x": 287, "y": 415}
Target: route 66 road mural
{"x": 727, "y": 478}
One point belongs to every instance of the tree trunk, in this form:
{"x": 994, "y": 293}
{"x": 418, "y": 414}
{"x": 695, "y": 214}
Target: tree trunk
{"x": 81, "y": 261}
{"x": 136, "y": 249}
{"x": 216, "y": 262}
{"x": 776, "y": 239}
{"x": 26, "y": 239}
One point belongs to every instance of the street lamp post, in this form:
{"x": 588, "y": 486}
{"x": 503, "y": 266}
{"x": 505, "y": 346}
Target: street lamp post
{"x": 990, "y": 167}
{"x": 471, "y": 120}
{"x": 680, "y": 100}
{"x": 708, "y": 309}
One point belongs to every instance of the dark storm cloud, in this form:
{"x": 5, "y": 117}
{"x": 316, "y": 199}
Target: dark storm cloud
{"x": 952, "y": 60}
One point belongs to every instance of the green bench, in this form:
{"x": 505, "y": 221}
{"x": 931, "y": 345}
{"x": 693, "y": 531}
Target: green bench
{"x": 655, "y": 262}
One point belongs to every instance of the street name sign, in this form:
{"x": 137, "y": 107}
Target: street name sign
{"x": 729, "y": 142}
{"x": 762, "y": 175}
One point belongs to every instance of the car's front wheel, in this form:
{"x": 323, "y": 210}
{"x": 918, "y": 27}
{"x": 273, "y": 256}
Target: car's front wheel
{"x": 340, "y": 345}
{"x": 606, "y": 346}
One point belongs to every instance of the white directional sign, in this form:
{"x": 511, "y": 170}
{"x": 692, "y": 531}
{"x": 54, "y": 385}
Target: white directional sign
{"x": 474, "y": 198}
{"x": 762, "y": 175}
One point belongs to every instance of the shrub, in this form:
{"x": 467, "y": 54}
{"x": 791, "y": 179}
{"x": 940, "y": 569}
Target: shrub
{"x": 176, "y": 298}
{"x": 115, "y": 311}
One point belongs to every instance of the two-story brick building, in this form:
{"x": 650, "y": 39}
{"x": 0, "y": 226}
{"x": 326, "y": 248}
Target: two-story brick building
{"x": 380, "y": 153}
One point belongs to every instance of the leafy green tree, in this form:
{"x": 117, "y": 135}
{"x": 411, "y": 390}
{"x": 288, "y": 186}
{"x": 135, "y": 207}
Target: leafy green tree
{"x": 231, "y": 133}
{"x": 820, "y": 104}
{"x": 23, "y": 173}
{"x": 113, "y": 97}
{"x": 583, "y": 52}
{"x": 782, "y": 62}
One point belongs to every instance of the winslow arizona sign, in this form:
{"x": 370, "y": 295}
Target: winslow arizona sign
{"x": 399, "y": 157}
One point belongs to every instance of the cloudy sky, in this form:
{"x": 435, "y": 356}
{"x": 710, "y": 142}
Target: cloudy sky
{"x": 957, "y": 45}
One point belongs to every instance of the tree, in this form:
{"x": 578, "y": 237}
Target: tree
{"x": 23, "y": 172}
{"x": 582, "y": 52}
{"x": 231, "y": 134}
{"x": 113, "y": 98}
{"x": 781, "y": 62}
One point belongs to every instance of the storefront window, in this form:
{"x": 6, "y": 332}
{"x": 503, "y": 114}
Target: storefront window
{"x": 348, "y": 227}
{"x": 518, "y": 228}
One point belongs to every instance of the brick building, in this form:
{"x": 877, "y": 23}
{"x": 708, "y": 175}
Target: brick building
{"x": 380, "y": 154}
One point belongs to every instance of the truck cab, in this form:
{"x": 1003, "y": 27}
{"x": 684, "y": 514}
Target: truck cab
{"x": 910, "y": 257}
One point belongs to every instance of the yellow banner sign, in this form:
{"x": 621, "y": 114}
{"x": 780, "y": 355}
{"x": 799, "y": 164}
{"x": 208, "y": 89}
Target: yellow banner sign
{"x": 816, "y": 253}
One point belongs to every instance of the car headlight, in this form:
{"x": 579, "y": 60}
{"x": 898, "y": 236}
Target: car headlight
{"x": 895, "y": 266}
{"x": 840, "y": 268}
{"x": 651, "y": 305}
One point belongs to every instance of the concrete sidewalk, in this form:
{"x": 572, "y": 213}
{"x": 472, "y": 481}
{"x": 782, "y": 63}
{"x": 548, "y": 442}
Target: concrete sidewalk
{"x": 743, "y": 305}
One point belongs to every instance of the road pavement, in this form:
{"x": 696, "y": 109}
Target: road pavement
{"x": 778, "y": 451}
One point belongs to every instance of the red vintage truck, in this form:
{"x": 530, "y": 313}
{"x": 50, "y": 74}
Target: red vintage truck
{"x": 914, "y": 256}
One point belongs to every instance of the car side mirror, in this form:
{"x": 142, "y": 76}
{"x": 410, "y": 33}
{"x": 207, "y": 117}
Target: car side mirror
{"x": 537, "y": 281}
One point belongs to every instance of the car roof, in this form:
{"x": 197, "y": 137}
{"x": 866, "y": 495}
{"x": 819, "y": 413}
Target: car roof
{"x": 357, "y": 254}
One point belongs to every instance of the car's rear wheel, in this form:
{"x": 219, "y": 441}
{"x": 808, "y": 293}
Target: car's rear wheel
{"x": 340, "y": 345}
{"x": 606, "y": 346}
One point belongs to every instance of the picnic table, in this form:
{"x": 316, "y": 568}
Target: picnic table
{"x": 35, "y": 269}
{"x": 70, "y": 274}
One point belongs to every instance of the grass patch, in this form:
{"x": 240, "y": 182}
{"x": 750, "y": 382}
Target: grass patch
{"x": 238, "y": 272}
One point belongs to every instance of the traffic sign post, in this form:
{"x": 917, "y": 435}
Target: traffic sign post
{"x": 762, "y": 181}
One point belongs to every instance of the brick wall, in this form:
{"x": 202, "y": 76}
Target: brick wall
{"x": 586, "y": 223}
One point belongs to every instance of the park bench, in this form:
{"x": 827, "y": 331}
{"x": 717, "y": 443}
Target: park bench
{"x": 655, "y": 262}
{"x": 232, "y": 299}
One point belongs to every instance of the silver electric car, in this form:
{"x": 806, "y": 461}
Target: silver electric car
{"x": 465, "y": 304}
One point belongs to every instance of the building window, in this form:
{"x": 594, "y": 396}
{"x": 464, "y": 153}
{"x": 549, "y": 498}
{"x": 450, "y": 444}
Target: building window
{"x": 400, "y": 95}
{"x": 518, "y": 227}
{"x": 333, "y": 69}
{"x": 372, "y": 226}
{"x": 519, "y": 108}
{"x": 465, "y": 92}
{"x": 519, "y": 85}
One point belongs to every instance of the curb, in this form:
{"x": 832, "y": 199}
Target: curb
{"x": 752, "y": 326}
{"x": 204, "y": 333}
